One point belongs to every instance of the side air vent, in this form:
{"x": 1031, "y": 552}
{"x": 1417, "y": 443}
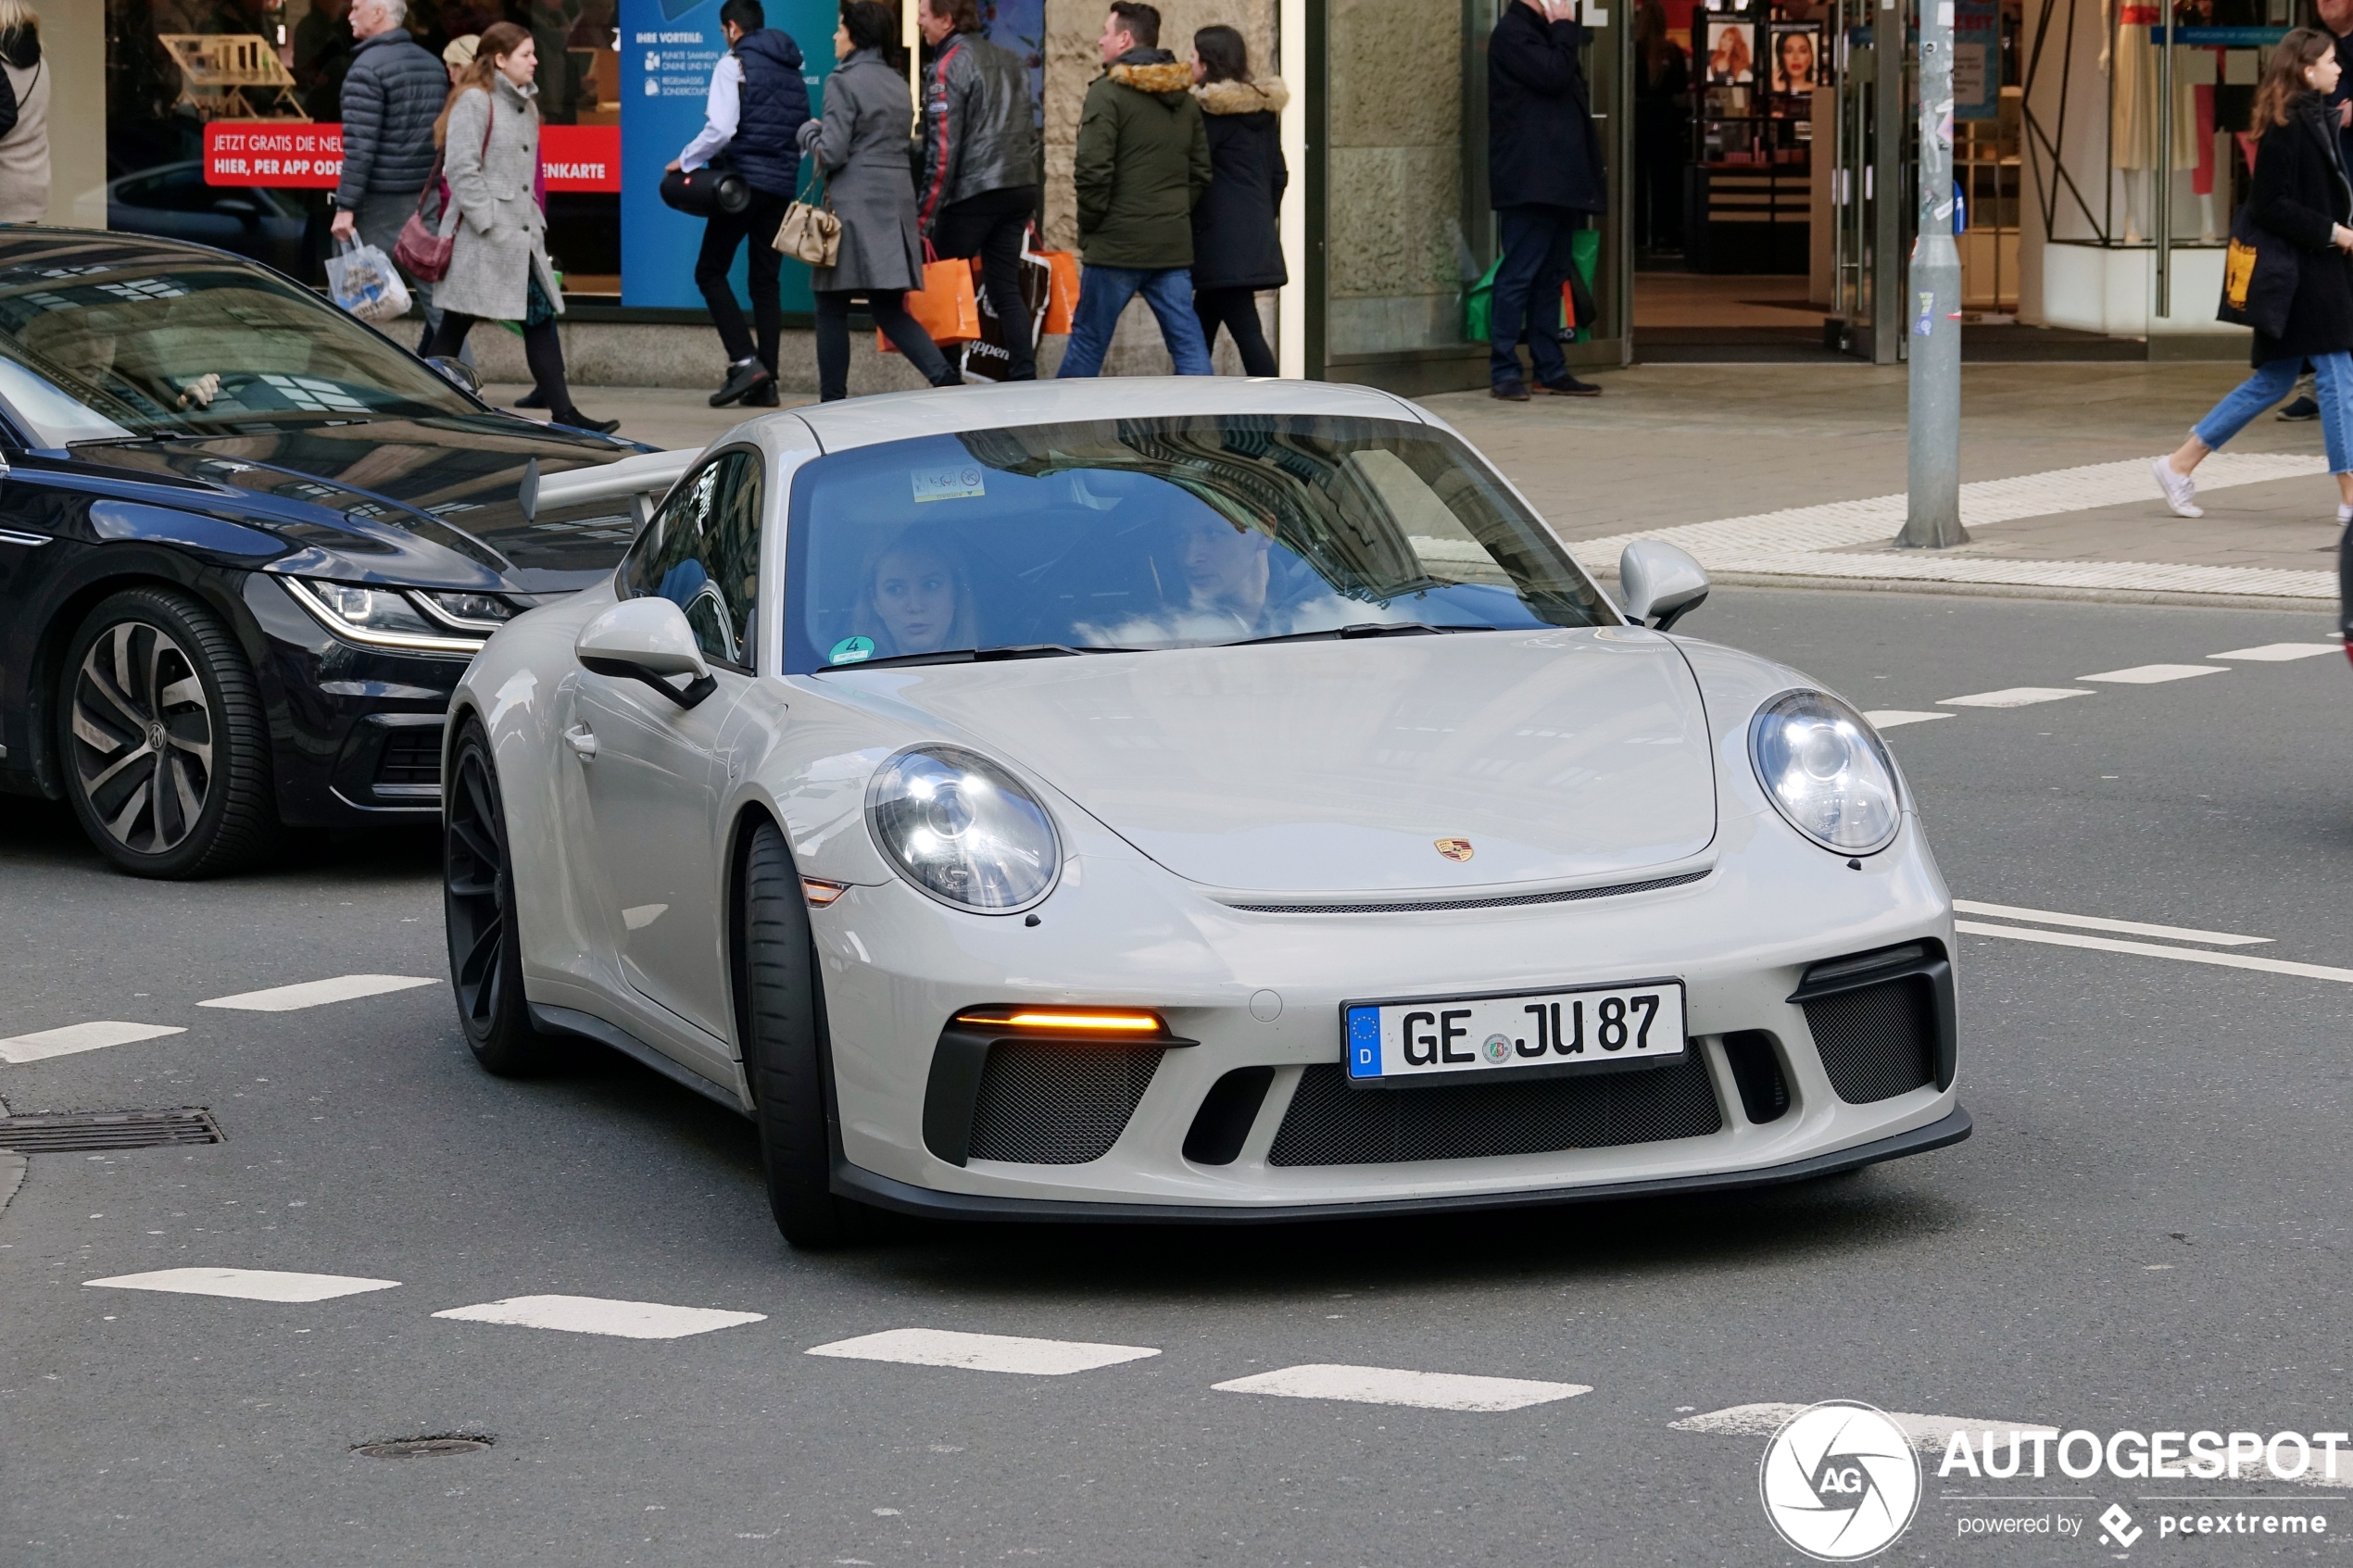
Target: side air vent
{"x": 1884, "y": 1022}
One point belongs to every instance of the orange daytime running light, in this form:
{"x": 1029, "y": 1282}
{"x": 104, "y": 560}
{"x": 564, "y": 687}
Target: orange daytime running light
{"x": 1110, "y": 1022}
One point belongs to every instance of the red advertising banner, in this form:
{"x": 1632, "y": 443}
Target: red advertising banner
{"x": 295, "y": 154}
{"x": 273, "y": 152}
{"x": 580, "y": 157}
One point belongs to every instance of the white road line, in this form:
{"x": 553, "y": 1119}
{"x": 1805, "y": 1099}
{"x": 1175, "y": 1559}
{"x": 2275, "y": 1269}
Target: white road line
{"x": 983, "y": 1352}
{"x": 246, "y": 1285}
{"x": 1930, "y": 1434}
{"x": 79, "y": 1038}
{"x": 2280, "y": 653}
{"x": 1391, "y": 1386}
{"x": 1895, "y": 717}
{"x": 2095, "y": 922}
{"x": 593, "y": 1314}
{"x": 317, "y": 993}
{"x": 2154, "y": 674}
{"x": 2012, "y": 696}
{"x": 2148, "y": 951}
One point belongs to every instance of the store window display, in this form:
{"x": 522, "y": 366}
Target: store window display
{"x": 178, "y": 69}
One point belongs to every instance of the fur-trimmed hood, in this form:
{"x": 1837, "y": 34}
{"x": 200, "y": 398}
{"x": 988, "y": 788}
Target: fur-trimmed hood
{"x": 1159, "y": 77}
{"x": 1267, "y": 95}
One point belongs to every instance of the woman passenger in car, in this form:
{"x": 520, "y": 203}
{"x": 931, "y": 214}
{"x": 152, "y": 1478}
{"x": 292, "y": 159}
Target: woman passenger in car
{"x": 916, "y": 599}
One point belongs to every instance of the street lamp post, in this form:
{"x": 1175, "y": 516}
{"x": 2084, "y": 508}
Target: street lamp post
{"x": 1932, "y": 510}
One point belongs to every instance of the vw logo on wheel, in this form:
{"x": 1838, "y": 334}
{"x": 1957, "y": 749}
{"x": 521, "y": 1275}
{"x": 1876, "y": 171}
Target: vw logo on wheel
{"x": 1840, "y": 1481}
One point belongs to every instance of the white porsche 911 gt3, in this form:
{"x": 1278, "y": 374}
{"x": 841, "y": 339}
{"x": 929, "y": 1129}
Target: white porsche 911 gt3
{"x": 1184, "y": 800}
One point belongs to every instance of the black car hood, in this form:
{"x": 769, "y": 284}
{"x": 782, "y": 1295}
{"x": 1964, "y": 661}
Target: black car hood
{"x": 450, "y": 482}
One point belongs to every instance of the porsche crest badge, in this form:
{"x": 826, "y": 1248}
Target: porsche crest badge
{"x": 1454, "y": 848}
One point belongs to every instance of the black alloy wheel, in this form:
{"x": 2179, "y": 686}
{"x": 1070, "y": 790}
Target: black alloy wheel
{"x": 780, "y": 1015}
{"x": 478, "y": 912}
{"x": 161, "y": 729}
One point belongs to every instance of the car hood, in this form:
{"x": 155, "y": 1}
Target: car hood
{"x": 451, "y": 480}
{"x": 1339, "y": 767}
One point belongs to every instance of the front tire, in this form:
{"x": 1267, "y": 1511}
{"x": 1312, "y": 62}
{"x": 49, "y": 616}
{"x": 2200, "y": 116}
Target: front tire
{"x": 165, "y": 745}
{"x": 782, "y": 1026}
{"x": 478, "y": 912}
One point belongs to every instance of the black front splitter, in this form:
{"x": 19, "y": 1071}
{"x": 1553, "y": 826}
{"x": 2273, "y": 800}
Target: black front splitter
{"x": 882, "y": 1192}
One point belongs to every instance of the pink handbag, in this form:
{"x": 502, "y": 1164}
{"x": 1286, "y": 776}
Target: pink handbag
{"x": 421, "y": 251}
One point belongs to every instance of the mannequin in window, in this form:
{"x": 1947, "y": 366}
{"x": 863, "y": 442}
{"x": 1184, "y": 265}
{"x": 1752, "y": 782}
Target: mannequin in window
{"x": 2132, "y": 117}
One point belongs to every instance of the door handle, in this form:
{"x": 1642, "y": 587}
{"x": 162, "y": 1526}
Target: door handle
{"x": 583, "y": 741}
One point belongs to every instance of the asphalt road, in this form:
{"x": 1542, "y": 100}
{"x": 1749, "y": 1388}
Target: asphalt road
{"x": 2147, "y": 1231}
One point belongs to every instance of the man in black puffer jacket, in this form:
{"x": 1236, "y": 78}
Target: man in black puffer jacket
{"x": 391, "y": 97}
{"x": 757, "y": 106}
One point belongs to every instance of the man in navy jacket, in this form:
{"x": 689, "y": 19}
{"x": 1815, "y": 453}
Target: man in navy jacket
{"x": 1543, "y": 175}
{"x": 757, "y": 104}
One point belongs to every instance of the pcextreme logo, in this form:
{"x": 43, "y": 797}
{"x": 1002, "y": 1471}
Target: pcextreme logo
{"x": 1840, "y": 1481}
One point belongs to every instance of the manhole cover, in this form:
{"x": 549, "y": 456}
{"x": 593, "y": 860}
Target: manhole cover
{"x": 422, "y": 1447}
{"x": 94, "y": 1129}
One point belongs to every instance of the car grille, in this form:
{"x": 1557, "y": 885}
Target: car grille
{"x": 1876, "y": 1043}
{"x": 1043, "y": 1103}
{"x": 1329, "y": 1124}
{"x": 412, "y": 757}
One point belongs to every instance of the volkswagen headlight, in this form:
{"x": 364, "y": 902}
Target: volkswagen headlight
{"x": 379, "y": 616}
{"x": 1827, "y": 771}
{"x": 963, "y": 830}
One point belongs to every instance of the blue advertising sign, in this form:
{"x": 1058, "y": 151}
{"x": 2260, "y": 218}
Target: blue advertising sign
{"x": 668, "y": 50}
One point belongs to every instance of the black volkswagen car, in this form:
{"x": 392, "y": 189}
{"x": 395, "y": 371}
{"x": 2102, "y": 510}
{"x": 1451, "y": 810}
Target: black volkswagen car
{"x": 247, "y": 545}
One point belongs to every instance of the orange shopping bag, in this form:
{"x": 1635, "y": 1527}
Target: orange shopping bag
{"x": 944, "y": 306}
{"x": 1062, "y": 297}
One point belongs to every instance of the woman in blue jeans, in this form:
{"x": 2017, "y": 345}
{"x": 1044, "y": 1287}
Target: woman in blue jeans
{"x": 2303, "y": 198}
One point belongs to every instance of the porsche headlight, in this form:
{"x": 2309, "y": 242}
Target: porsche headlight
{"x": 963, "y": 830}
{"x": 1827, "y": 771}
{"x": 385, "y": 618}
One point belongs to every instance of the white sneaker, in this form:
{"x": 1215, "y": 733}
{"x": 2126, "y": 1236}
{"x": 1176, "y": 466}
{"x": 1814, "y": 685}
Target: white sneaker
{"x": 2179, "y": 488}
{"x": 2344, "y": 513}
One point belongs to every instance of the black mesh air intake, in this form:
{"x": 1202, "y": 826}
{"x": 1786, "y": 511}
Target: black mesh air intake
{"x": 1757, "y": 1071}
{"x": 411, "y": 756}
{"x": 1876, "y": 1043}
{"x": 1329, "y": 1124}
{"x": 1048, "y": 1103}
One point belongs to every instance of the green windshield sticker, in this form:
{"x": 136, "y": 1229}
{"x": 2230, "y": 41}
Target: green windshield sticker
{"x": 958, "y": 482}
{"x": 851, "y": 650}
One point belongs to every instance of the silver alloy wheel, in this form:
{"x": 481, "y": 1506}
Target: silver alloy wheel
{"x": 142, "y": 736}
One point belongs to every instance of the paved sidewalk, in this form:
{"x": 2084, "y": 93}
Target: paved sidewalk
{"x": 1794, "y": 476}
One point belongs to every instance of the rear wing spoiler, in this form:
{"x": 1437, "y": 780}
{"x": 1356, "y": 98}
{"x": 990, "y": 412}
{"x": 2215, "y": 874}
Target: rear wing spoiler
{"x": 645, "y": 478}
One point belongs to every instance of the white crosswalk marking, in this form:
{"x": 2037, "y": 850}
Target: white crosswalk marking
{"x": 317, "y": 993}
{"x": 246, "y": 1285}
{"x": 75, "y": 1037}
{"x": 594, "y": 1314}
{"x": 1393, "y": 1386}
{"x": 2280, "y": 653}
{"x": 1930, "y": 1434}
{"x": 2151, "y": 950}
{"x": 2097, "y": 923}
{"x": 1896, "y": 718}
{"x": 2012, "y": 696}
{"x": 2155, "y": 674}
{"x": 983, "y": 1352}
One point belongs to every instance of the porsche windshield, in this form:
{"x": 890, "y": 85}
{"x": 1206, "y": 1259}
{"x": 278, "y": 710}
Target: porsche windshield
{"x": 1161, "y": 533}
{"x": 199, "y": 347}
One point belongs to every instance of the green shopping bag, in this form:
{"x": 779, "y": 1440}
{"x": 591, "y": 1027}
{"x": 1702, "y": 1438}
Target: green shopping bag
{"x": 1479, "y": 306}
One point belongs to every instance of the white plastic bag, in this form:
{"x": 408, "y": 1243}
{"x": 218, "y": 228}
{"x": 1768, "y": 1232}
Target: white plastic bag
{"x": 364, "y": 281}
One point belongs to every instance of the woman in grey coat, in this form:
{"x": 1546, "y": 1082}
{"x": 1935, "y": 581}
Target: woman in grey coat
{"x": 861, "y": 144}
{"x": 498, "y": 268}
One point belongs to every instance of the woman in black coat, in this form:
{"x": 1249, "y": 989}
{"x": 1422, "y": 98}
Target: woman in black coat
{"x": 1237, "y": 247}
{"x": 2302, "y": 201}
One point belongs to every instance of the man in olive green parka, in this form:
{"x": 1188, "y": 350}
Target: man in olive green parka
{"x": 1143, "y": 161}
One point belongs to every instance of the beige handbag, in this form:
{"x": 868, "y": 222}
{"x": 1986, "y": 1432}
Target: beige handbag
{"x": 810, "y": 232}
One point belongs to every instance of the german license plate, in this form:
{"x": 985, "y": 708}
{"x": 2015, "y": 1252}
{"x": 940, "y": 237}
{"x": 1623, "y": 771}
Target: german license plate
{"x": 1524, "y": 1035}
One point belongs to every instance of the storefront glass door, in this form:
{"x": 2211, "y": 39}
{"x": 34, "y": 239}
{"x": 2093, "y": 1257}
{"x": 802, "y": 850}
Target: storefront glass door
{"x": 1870, "y": 179}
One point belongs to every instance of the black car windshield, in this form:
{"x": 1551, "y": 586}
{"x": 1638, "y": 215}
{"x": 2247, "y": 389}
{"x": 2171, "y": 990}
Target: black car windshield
{"x": 1161, "y": 534}
{"x": 104, "y": 347}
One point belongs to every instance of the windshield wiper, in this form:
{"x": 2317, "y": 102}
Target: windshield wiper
{"x": 978, "y": 656}
{"x": 1357, "y": 629}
